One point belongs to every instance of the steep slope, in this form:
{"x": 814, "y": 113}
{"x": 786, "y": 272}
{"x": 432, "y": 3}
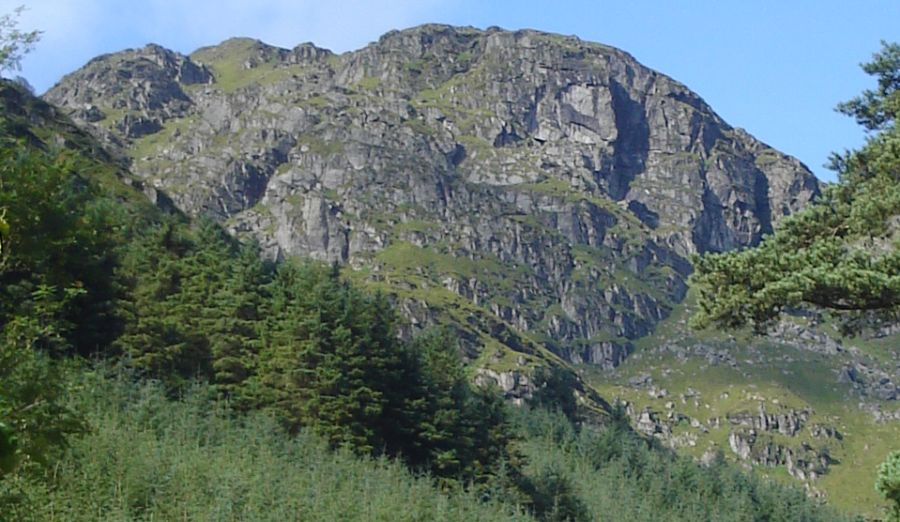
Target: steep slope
{"x": 530, "y": 189}
{"x": 539, "y": 193}
{"x": 26, "y": 118}
{"x": 109, "y": 314}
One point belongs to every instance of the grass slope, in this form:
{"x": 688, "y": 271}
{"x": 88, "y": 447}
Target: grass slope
{"x": 759, "y": 372}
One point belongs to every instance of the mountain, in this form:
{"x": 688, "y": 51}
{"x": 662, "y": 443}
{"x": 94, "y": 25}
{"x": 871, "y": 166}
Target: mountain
{"x": 90, "y": 267}
{"x": 531, "y": 189}
{"x": 539, "y": 194}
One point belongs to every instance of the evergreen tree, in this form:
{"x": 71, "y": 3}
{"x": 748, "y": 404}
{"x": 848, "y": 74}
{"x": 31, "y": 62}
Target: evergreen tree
{"x": 233, "y": 321}
{"x": 54, "y": 234}
{"x": 444, "y": 437}
{"x": 555, "y": 390}
{"x": 461, "y": 432}
{"x": 838, "y": 253}
{"x": 330, "y": 359}
{"x": 49, "y": 243}
{"x": 161, "y": 337}
{"x": 34, "y": 419}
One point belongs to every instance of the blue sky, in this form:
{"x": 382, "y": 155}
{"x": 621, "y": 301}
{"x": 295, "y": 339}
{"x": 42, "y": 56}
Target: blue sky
{"x": 775, "y": 68}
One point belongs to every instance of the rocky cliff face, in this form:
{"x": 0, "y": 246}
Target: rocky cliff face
{"x": 531, "y": 189}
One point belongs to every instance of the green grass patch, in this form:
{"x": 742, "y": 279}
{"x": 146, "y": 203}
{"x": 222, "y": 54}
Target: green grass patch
{"x": 476, "y": 147}
{"x": 417, "y": 225}
{"x": 368, "y": 83}
{"x": 241, "y": 62}
{"x": 150, "y": 145}
{"x": 318, "y": 101}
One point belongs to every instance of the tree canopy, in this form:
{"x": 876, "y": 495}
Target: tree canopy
{"x": 176, "y": 301}
{"x": 48, "y": 265}
{"x": 14, "y": 43}
{"x": 842, "y": 252}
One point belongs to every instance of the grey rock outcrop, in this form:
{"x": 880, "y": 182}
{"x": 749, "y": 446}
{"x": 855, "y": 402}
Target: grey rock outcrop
{"x": 788, "y": 422}
{"x": 802, "y": 462}
{"x": 869, "y": 378}
{"x": 555, "y": 186}
{"x": 514, "y": 384}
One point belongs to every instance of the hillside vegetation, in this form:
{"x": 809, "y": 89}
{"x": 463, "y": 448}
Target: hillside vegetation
{"x": 149, "y": 457}
{"x": 836, "y": 265}
{"x": 246, "y": 390}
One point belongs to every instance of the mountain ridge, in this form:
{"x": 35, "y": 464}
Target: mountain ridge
{"x": 526, "y": 188}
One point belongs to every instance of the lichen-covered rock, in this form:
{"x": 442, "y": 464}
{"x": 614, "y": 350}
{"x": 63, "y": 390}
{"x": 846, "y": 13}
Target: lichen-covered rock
{"x": 803, "y": 462}
{"x": 514, "y": 384}
{"x": 786, "y": 422}
{"x": 528, "y": 188}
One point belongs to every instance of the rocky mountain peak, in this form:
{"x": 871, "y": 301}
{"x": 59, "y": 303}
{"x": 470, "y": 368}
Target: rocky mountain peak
{"x": 531, "y": 189}
{"x": 249, "y": 53}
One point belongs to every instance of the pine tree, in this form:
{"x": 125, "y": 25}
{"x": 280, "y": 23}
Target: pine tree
{"x": 445, "y": 434}
{"x": 234, "y": 329}
{"x": 161, "y": 336}
{"x": 840, "y": 252}
{"x": 330, "y": 360}
{"x": 461, "y": 432}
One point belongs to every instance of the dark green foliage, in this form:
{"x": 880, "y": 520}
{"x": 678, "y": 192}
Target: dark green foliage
{"x": 9, "y": 445}
{"x": 830, "y": 255}
{"x": 49, "y": 278}
{"x": 148, "y": 457}
{"x": 192, "y": 304}
{"x": 55, "y": 240}
{"x": 548, "y": 489}
{"x": 458, "y": 431}
{"x": 555, "y": 390}
{"x": 181, "y": 302}
{"x": 330, "y": 359}
{"x": 439, "y": 435}
{"x": 494, "y": 441}
{"x": 840, "y": 252}
{"x": 877, "y": 109}
{"x": 306, "y": 345}
{"x": 554, "y": 498}
{"x": 232, "y": 323}
{"x": 35, "y": 420}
